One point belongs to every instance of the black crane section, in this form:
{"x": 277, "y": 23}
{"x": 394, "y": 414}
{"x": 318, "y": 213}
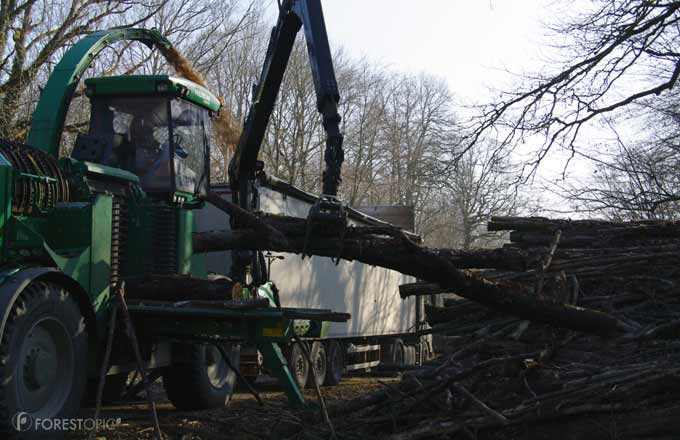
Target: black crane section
{"x": 327, "y": 215}
{"x": 293, "y": 15}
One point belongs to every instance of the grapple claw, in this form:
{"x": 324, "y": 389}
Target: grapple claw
{"x": 327, "y": 217}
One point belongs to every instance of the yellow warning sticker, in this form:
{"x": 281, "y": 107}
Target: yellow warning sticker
{"x": 272, "y": 331}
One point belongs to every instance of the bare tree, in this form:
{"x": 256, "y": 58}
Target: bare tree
{"x": 617, "y": 52}
{"x": 480, "y": 186}
{"x": 641, "y": 179}
{"x": 363, "y": 112}
{"x": 418, "y": 124}
{"x": 32, "y": 35}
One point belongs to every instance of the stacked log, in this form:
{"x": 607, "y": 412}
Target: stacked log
{"x": 502, "y": 377}
{"x": 569, "y": 331}
{"x": 509, "y": 381}
{"x": 538, "y": 231}
{"x": 614, "y": 255}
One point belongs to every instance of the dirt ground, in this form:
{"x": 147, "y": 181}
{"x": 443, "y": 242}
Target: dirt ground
{"x": 242, "y": 418}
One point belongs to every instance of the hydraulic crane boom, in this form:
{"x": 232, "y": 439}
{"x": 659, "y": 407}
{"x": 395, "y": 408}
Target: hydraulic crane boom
{"x": 293, "y": 14}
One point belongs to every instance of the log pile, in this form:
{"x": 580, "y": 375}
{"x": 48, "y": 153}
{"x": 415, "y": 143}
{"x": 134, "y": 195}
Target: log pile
{"x": 538, "y": 231}
{"x": 568, "y": 332}
{"x": 621, "y": 262}
{"x": 507, "y": 380}
{"x": 502, "y": 377}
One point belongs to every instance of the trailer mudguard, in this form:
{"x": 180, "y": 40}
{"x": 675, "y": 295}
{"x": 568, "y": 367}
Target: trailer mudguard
{"x": 48, "y": 119}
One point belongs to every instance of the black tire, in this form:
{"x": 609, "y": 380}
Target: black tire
{"x": 425, "y": 353}
{"x": 410, "y": 355}
{"x": 318, "y": 356}
{"x": 398, "y": 353}
{"x": 43, "y": 351}
{"x": 297, "y": 363}
{"x": 335, "y": 363}
{"x": 199, "y": 378}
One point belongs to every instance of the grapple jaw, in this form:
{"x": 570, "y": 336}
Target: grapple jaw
{"x": 328, "y": 218}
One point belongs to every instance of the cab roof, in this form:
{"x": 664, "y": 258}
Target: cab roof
{"x": 152, "y": 85}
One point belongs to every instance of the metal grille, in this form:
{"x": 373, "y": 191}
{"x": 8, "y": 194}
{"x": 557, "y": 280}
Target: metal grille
{"x": 40, "y": 183}
{"x": 165, "y": 240}
{"x": 119, "y": 233}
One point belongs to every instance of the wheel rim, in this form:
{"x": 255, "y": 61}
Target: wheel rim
{"x": 300, "y": 366}
{"x": 45, "y": 370}
{"x": 320, "y": 364}
{"x": 217, "y": 368}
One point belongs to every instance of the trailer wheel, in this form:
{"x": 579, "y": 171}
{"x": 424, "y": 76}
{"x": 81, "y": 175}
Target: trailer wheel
{"x": 199, "y": 378}
{"x": 42, "y": 352}
{"x": 425, "y": 353}
{"x": 297, "y": 363}
{"x": 318, "y": 356}
{"x": 398, "y": 353}
{"x": 410, "y": 355}
{"x": 335, "y": 363}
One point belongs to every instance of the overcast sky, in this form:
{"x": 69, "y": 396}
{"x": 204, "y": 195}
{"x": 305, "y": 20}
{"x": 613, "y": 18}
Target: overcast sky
{"x": 472, "y": 44}
{"x": 469, "y": 43}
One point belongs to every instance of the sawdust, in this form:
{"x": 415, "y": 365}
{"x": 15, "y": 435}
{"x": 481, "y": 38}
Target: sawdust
{"x": 226, "y": 129}
{"x": 181, "y": 64}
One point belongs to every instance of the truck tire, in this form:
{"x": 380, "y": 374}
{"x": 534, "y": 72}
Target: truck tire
{"x": 335, "y": 363}
{"x": 410, "y": 355}
{"x": 398, "y": 353}
{"x": 199, "y": 378}
{"x": 42, "y": 353}
{"x": 425, "y": 353}
{"x": 297, "y": 364}
{"x": 318, "y": 356}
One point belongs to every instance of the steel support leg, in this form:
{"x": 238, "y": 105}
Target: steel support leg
{"x": 275, "y": 362}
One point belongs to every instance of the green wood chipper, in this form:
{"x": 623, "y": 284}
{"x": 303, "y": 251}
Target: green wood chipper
{"x": 119, "y": 212}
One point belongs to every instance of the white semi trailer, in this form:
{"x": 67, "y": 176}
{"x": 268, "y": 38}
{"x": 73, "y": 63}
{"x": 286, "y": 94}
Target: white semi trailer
{"x": 381, "y": 331}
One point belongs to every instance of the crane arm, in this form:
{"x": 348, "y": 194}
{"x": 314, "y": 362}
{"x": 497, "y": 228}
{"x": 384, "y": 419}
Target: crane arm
{"x": 293, "y": 15}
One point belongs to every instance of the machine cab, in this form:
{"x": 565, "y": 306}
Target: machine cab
{"x": 157, "y": 127}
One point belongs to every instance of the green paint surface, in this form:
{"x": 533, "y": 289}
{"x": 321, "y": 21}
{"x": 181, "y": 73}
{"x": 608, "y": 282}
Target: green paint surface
{"x": 152, "y": 85}
{"x": 185, "y": 247}
{"x": 6, "y": 187}
{"x": 48, "y": 118}
{"x": 100, "y": 263}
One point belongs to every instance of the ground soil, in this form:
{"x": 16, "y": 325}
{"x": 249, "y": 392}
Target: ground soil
{"x": 242, "y": 418}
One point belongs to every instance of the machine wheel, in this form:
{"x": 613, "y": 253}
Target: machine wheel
{"x": 398, "y": 353}
{"x": 318, "y": 355}
{"x": 42, "y": 353}
{"x": 410, "y": 355}
{"x": 335, "y": 363}
{"x": 199, "y": 378}
{"x": 425, "y": 353}
{"x": 297, "y": 364}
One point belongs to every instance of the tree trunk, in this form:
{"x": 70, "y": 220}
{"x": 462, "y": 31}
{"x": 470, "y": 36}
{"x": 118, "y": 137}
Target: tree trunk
{"x": 390, "y": 248}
